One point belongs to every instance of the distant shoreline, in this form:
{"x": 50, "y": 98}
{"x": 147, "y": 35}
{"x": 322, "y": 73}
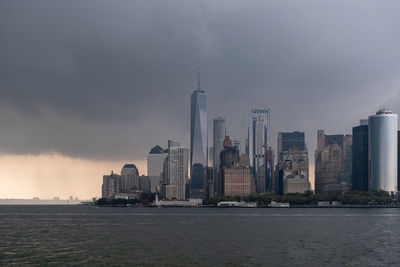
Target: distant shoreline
{"x": 212, "y": 206}
{"x": 261, "y": 207}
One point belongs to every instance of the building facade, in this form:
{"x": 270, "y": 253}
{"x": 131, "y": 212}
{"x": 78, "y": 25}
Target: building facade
{"x": 398, "y": 160}
{"x": 269, "y": 170}
{"x": 382, "y": 150}
{"x": 110, "y": 185}
{"x": 295, "y": 171}
{"x": 237, "y": 179}
{"x": 229, "y": 156}
{"x": 178, "y": 171}
{"x": 198, "y": 141}
{"x": 330, "y": 157}
{"x": 219, "y": 132}
{"x": 287, "y": 140}
{"x": 155, "y": 162}
{"x": 144, "y": 183}
{"x": 359, "y": 178}
{"x": 127, "y": 185}
{"x": 238, "y": 144}
{"x": 129, "y": 178}
{"x": 258, "y": 141}
{"x": 346, "y": 177}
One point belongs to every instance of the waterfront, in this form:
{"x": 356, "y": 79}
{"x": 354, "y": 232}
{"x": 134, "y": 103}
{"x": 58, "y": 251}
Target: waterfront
{"x": 63, "y": 235}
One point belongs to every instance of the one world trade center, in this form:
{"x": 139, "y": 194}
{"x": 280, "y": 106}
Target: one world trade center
{"x": 198, "y": 141}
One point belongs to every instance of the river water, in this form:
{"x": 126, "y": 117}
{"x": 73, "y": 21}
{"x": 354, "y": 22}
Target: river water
{"x": 93, "y": 236}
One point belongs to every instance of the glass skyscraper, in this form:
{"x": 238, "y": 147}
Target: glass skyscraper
{"x": 258, "y": 141}
{"x": 382, "y": 150}
{"x": 360, "y": 158}
{"x": 288, "y": 140}
{"x": 198, "y": 141}
{"x": 219, "y": 132}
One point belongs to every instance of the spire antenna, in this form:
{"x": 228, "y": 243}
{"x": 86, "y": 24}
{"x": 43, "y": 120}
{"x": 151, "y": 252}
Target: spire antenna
{"x": 198, "y": 80}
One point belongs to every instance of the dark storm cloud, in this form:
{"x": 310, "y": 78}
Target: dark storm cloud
{"x": 110, "y": 79}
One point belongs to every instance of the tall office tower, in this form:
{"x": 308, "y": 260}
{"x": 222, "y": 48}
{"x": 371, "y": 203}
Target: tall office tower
{"x": 198, "y": 141}
{"x": 288, "y": 140}
{"x": 155, "y": 161}
{"x": 398, "y": 160}
{"x": 110, "y": 185}
{"x": 295, "y": 171}
{"x": 178, "y": 171}
{"x": 209, "y": 191}
{"x": 238, "y": 144}
{"x": 269, "y": 171}
{"x": 258, "y": 141}
{"x": 211, "y": 159}
{"x": 238, "y": 179}
{"x": 229, "y": 156}
{"x": 129, "y": 178}
{"x": 382, "y": 150}
{"x": 219, "y": 132}
{"x": 359, "y": 177}
{"x": 330, "y": 157}
{"x": 165, "y": 174}
{"x": 144, "y": 183}
{"x": 278, "y": 179}
{"x": 346, "y": 177}
{"x": 165, "y": 177}
{"x": 172, "y": 143}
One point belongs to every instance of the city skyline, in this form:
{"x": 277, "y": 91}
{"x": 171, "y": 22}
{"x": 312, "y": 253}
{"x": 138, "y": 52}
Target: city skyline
{"x": 362, "y": 162}
{"x": 101, "y": 90}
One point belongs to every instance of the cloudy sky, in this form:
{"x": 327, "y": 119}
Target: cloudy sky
{"x": 86, "y": 86}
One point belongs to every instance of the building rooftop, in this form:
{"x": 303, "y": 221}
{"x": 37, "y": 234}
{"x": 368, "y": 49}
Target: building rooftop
{"x": 157, "y": 150}
{"x": 130, "y": 166}
{"x": 384, "y": 111}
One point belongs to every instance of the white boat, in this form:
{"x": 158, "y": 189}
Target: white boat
{"x": 241, "y": 204}
{"x": 275, "y": 204}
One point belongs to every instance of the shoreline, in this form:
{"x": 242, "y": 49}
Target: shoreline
{"x": 262, "y": 207}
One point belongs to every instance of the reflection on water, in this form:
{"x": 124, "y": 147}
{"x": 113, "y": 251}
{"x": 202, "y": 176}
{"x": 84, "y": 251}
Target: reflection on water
{"x": 62, "y": 235}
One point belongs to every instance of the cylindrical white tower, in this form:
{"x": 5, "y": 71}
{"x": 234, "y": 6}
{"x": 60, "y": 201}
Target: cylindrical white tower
{"x": 382, "y": 151}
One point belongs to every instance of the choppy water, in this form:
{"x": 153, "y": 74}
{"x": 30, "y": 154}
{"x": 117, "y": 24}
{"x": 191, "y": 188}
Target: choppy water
{"x": 71, "y": 235}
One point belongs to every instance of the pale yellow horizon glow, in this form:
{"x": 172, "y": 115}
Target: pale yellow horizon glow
{"x": 55, "y": 175}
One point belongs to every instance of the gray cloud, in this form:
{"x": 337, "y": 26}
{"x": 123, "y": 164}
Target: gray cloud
{"x": 110, "y": 79}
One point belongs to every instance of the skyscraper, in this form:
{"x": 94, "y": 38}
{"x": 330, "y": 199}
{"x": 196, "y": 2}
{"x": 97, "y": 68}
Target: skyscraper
{"x": 398, "y": 160}
{"x": 110, "y": 185}
{"x": 172, "y": 143}
{"x": 229, "y": 156}
{"x": 130, "y": 178}
{"x": 382, "y": 150}
{"x": 238, "y": 179}
{"x": 270, "y": 171}
{"x": 346, "y": 177}
{"x": 258, "y": 141}
{"x": 359, "y": 177}
{"x": 288, "y": 140}
{"x": 238, "y": 144}
{"x": 198, "y": 140}
{"x": 155, "y": 160}
{"x": 178, "y": 171}
{"x": 219, "y": 132}
{"x": 330, "y": 157}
